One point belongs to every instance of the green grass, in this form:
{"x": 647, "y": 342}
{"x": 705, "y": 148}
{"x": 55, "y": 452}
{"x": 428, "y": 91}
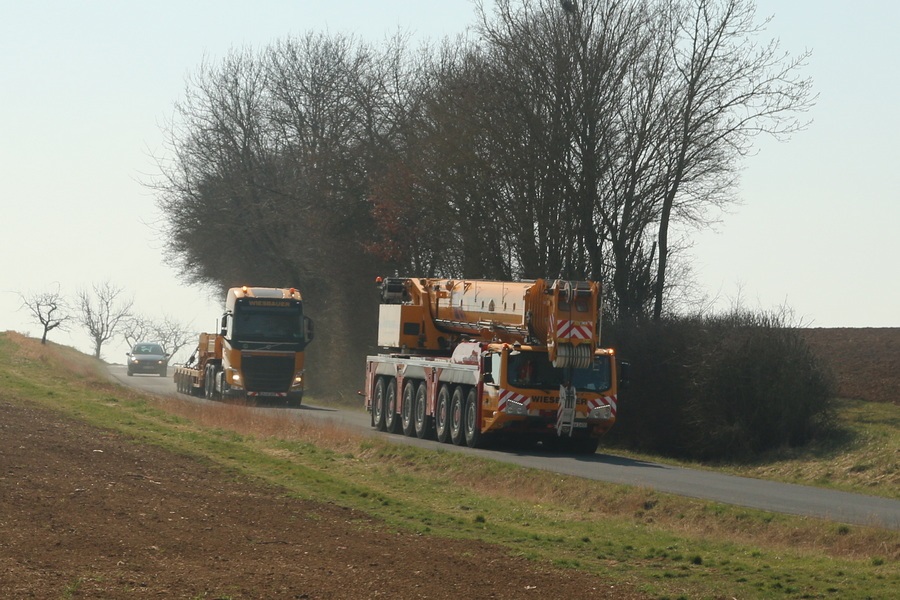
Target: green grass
{"x": 667, "y": 546}
{"x": 861, "y": 454}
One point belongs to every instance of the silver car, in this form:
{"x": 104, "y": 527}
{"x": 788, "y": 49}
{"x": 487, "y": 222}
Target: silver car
{"x": 148, "y": 357}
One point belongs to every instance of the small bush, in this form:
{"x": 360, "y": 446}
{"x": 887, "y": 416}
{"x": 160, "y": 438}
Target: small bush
{"x": 725, "y": 388}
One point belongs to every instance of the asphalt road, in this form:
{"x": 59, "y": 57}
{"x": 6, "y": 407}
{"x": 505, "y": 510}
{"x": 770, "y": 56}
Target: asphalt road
{"x": 801, "y": 500}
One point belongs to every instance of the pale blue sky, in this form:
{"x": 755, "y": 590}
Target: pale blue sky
{"x": 85, "y": 85}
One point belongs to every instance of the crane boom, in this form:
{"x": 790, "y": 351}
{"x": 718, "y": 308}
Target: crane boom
{"x": 427, "y": 314}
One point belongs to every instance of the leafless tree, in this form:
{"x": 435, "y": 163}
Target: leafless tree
{"x": 639, "y": 112}
{"x": 435, "y": 207}
{"x": 103, "y": 311}
{"x": 272, "y": 154}
{"x": 173, "y": 335}
{"x": 168, "y": 331}
{"x": 728, "y": 88}
{"x": 137, "y": 328}
{"x": 337, "y": 112}
{"x": 49, "y": 309}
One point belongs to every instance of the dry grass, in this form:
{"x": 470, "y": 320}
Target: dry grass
{"x": 695, "y": 519}
{"x": 573, "y": 498}
{"x": 246, "y": 420}
{"x": 61, "y": 358}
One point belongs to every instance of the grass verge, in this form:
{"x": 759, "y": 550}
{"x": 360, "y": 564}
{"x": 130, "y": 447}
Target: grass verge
{"x": 862, "y": 455}
{"x": 669, "y": 547}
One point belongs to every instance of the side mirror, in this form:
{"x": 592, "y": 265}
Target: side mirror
{"x": 309, "y": 333}
{"x": 487, "y": 378}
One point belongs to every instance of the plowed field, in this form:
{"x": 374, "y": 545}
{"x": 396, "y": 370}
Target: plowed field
{"x": 865, "y": 362}
{"x": 88, "y": 514}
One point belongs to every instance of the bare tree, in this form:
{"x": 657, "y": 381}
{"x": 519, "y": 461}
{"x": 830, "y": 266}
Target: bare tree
{"x": 103, "y": 313}
{"x": 173, "y": 335}
{"x": 634, "y": 116}
{"x": 435, "y": 207}
{"x": 169, "y": 332}
{"x": 272, "y": 158}
{"x": 49, "y": 309}
{"x": 728, "y": 88}
{"x": 138, "y": 328}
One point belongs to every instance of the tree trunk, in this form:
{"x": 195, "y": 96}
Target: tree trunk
{"x": 663, "y": 239}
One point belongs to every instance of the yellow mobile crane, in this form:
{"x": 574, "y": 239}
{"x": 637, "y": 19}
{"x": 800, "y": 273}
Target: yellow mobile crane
{"x": 470, "y": 359}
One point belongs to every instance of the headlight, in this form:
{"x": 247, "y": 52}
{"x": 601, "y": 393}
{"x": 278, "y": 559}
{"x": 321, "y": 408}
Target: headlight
{"x": 601, "y": 413}
{"x": 515, "y": 408}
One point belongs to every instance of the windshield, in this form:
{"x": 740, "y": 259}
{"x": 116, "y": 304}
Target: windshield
{"x": 148, "y": 349}
{"x": 269, "y": 324}
{"x": 534, "y": 370}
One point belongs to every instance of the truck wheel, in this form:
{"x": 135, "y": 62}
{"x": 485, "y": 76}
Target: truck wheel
{"x": 378, "y": 405}
{"x": 472, "y": 425}
{"x": 209, "y": 384}
{"x": 457, "y": 416}
{"x": 442, "y": 414}
{"x": 421, "y": 418}
{"x": 391, "y": 422}
{"x": 222, "y": 387}
{"x": 408, "y": 408}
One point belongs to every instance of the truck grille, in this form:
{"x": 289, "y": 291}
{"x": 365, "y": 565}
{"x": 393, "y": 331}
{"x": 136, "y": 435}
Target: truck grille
{"x": 268, "y": 373}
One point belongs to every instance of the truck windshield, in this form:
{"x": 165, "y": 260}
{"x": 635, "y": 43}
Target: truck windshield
{"x": 534, "y": 370}
{"x": 268, "y": 324}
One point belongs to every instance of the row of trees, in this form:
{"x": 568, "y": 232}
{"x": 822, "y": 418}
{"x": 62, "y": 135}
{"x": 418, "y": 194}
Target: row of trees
{"x": 578, "y": 140}
{"x": 104, "y": 313}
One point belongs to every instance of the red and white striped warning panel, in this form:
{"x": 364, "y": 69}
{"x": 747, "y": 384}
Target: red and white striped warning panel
{"x": 574, "y": 330}
{"x": 507, "y": 395}
{"x": 603, "y": 400}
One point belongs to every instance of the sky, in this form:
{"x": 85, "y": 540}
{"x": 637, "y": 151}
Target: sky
{"x": 85, "y": 87}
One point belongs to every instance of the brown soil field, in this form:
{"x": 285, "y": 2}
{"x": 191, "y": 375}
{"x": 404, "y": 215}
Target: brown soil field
{"x": 865, "y": 361}
{"x": 85, "y": 513}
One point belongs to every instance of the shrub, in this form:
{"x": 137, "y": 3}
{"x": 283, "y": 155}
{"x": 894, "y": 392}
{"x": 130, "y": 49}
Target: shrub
{"x": 723, "y": 387}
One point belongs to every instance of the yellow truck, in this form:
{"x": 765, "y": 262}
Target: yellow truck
{"x": 470, "y": 360}
{"x": 258, "y": 352}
